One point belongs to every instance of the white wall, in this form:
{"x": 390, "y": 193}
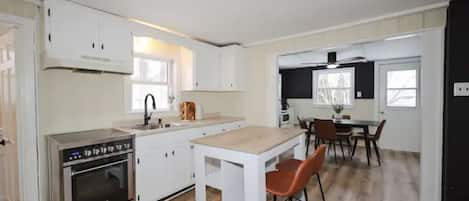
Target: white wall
{"x": 432, "y": 115}
{"x": 362, "y": 109}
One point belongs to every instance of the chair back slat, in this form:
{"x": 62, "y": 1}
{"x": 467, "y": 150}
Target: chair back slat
{"x": 379, "y": 130}
{"x": 307, "y": 169}
{"x": 325, "y": 129}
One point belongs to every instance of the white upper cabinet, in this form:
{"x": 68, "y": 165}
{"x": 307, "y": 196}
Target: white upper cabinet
{"x": 203, "y": 73}
{"x": 210, "y": 68}
{"x": 83, "y": 38}
{"x": 233, "y": 68}
{"x": 116, "y": 43}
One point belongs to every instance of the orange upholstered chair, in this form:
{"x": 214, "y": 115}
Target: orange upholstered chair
{"x": 288, "y": 182}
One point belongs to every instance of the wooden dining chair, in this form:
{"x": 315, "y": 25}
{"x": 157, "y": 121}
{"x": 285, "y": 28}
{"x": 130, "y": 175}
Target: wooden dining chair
{"x": 345, "y": 132}
{"x": 288, "y": 182}
{"x": 374, "y": 138}
{"x": 326, "y": 133}
{"x": 309, "y": 132}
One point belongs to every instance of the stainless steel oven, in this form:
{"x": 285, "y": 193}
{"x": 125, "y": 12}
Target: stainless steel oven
{"x": 106, "y": 179}
{"x": 101, "y": 171}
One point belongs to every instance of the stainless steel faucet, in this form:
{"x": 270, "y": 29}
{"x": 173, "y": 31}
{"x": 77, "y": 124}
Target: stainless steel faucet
{"x": 146, "y": 117}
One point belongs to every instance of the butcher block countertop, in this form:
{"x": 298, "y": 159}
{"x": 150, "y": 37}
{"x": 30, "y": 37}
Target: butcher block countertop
{"x": 253, "y": 140}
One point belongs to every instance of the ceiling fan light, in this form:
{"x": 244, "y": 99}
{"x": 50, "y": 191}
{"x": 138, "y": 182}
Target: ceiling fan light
{"x": 332, "y": 65}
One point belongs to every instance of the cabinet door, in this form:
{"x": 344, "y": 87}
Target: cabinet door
{"x": 152, "y": 174}
{"x": 207, "y": 68}
{"x": 228, "y": 63}
{"x": 233, "y": 65}
{"x": 115, "y": 43}
{"x": 187, "y": 69}
{"x": 71, "y": 31}
{"x": 181, "y": 166}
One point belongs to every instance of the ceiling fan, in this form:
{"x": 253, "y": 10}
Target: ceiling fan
{"x": 332, "y": 61}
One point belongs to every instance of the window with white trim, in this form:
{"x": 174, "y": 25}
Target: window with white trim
{"x": 151, "y": 76}
{"x": 401, "y": 88}
{"x": 334, "y": 86}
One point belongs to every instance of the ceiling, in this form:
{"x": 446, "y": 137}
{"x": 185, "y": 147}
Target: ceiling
{"x": 248, "y": 21}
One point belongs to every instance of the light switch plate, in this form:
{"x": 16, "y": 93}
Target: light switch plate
{"x": 461, "y": 89}
{"x": 359, "y": 94}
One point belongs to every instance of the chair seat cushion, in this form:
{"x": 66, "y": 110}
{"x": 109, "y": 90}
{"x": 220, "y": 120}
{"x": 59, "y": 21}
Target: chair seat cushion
{"x": 289, "y": 165}
{"x": 278, "y": 182}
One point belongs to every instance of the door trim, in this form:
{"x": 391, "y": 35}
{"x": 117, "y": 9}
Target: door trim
{"x": 377, "y": 75}
{"x": 26, "y": 63}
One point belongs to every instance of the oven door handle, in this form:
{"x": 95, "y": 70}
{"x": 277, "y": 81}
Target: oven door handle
{"x": 98, "y": 167}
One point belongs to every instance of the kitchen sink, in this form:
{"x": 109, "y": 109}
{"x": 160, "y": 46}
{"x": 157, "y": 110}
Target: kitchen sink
{"x": 150, "y": 127}
{"x": 157, "y": 126}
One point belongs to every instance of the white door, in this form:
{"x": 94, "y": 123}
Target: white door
{"x": 399, "y": 96}
{"x": 9, "y": 182}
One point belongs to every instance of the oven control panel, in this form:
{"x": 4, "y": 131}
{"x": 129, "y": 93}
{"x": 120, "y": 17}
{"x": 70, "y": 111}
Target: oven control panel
{"x": 97, "y": 150}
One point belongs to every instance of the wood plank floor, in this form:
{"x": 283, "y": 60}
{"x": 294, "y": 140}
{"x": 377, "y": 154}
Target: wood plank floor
{"x": 352, "y": 180}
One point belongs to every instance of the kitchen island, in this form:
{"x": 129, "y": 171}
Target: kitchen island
{"x": 243, "y": 154}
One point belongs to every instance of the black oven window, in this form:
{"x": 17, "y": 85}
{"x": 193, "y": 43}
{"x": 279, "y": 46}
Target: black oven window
{"x": 101, "y": 184}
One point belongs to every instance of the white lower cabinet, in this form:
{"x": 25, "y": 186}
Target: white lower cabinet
{"x": 164, "y": 162}
{"x": 151, "y": 174}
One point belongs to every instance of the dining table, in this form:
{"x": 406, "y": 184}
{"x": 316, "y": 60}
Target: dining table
{"x": 363, "y": 124}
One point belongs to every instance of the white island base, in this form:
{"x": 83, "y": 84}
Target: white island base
{"x": 243, "y": 155}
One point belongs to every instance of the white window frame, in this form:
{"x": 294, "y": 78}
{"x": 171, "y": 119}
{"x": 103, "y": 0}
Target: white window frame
{"x": 417, "y": 90}
{"x": 316, "y": 73}
{"x": 170, "y": 82}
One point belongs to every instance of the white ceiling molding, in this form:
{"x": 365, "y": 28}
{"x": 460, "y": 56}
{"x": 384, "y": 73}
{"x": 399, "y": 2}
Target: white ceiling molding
{"x": 347, "y": 25}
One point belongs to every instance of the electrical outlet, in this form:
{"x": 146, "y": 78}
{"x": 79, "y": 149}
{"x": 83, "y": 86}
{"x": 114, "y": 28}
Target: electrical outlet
{"x": 461, "y": 89}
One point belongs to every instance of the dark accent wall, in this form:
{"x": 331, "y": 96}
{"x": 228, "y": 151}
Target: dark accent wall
{"x": 456, "y": 109}
{"x": 298, "y": 83}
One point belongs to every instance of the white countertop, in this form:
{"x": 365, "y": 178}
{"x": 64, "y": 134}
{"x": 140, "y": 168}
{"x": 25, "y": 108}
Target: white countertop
{"x": 178, "y": 125}
{"x": 254, "y": 140}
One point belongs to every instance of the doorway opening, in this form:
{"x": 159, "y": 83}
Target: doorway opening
{"x": 9, "y": 185}
{"x": 387, "y": 79}
{"x": 19, "y": 174}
